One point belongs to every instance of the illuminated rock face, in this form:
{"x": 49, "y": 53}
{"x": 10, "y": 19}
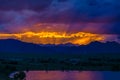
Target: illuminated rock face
{"x": 80, "y": 38}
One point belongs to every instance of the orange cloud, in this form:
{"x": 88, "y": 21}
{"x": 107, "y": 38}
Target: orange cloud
{"x": 80, "y": 38}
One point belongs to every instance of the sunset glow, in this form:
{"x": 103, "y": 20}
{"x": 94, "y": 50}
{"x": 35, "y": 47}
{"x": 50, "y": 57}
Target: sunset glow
{"x": 80, "y": 38}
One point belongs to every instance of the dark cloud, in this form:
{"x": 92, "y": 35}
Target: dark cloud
{"x": 24, "y": 4}
{"x": 97, "y": 16}
{"x": 115, "y": 29}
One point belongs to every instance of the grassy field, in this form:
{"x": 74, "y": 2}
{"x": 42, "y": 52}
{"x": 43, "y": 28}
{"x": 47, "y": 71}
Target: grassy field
{"x": 54, "y": 62}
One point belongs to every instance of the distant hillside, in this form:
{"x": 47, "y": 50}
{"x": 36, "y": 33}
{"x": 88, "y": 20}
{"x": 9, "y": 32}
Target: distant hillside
{"x": 15, "y": 46}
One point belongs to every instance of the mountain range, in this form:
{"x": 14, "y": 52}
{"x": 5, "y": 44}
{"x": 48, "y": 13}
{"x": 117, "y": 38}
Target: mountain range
{"x": 16, "y": 46}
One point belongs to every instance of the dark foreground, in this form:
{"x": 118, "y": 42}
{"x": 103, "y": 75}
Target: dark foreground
{"x": 56, "y": 62}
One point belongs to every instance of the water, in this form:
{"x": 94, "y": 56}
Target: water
{"x": 73, "y": 75}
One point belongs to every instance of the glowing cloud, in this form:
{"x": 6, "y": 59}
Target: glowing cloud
{"x": 80, "y": 38}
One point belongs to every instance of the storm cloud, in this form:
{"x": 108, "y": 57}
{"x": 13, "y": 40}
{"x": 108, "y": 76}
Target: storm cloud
{"x": 96, "y": 16}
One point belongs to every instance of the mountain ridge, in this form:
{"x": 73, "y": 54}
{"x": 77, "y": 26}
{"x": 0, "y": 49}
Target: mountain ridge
{"x": 16, "y": 46}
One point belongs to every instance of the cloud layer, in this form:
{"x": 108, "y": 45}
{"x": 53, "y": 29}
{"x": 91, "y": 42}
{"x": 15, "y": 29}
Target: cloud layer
{"x": 96, "y": 16}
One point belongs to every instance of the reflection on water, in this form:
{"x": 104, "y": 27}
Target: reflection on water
{"x": 59, "y": 75}
{"x": 73, "y": 75}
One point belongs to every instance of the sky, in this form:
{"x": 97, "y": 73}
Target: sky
{"x": 70, "y": 16}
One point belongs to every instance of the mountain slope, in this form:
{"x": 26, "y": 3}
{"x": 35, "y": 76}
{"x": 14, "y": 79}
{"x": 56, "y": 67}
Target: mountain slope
{"x": 15, "y": 46}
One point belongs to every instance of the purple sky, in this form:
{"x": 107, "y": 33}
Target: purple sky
{"x": 96, "y": 16}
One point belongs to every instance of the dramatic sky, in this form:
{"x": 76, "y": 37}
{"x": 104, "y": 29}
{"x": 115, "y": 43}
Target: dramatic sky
{"x": 69, "y": 16}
